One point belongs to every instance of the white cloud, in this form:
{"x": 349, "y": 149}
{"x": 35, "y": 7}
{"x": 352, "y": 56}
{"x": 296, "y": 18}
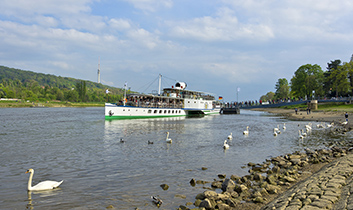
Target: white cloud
{"x": 223, "y": 27}
{"x": 151, "y": 5}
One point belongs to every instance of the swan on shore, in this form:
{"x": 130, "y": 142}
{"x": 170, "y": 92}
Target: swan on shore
{"x": 168, "y": 140}
{"x": 45, "y": 185}
{"x": 246, "y": 132}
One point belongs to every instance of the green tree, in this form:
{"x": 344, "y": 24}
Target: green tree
{"x": 332, "y": 66}
{"x": 282, "y": 89}
{"x": 81, "y": 90}
{"x": 268, "y": 97}
{"x": 339, "y": 79}
{"x": 307, "y": 80}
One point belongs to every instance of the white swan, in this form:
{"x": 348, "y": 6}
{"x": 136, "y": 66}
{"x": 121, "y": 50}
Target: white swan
{"x": 300, "y": 135}
{"x": 225, "y": 145}
{"x": 168, "y": 140}
{"x": 45, "y": 185}
{"x": 284, "y": 126}
{"x": 277, "y": 129}
{"x": 247, "y": 131}
{"x": 303, "y": 133}
{"x": 274, "y": 132}
{"x": 230, "y": 137}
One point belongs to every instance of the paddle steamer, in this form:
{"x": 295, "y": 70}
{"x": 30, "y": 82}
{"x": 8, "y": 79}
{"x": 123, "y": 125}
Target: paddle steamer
{"x": 172, "y": 102}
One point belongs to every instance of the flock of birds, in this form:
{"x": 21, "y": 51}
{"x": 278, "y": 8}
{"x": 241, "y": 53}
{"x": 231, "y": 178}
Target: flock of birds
{"x": 304, "y": 132}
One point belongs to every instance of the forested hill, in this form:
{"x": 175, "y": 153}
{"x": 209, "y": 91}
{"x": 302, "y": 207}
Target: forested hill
{"x": 28, "y": 85}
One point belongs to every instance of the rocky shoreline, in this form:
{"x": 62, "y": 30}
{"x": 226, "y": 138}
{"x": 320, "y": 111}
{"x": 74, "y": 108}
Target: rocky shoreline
{"x": 302, "y": 180}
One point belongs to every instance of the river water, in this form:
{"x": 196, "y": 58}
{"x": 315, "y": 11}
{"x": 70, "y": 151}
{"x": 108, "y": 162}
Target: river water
{"x": 79, "y": 146}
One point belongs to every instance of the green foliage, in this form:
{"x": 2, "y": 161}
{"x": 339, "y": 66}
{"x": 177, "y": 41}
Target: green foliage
{"x": 27, "y": 85}
{"x": 268, "y": 97}
{"x": 306, "y": 79}
{"x": 282, "y": 89}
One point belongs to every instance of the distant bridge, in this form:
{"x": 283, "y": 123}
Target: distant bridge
{"x": 280, "y": 104}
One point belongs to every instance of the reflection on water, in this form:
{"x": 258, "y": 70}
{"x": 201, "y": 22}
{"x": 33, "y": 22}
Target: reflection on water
{"x": 79, "y": 146}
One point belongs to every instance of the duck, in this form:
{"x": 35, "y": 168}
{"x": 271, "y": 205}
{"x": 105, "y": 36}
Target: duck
{"x": 150, "y": 142}
{"x": 230, "y": 136}
{"x": 225, "y": 145}
{"x": 45, "y": 185}
{"x": 122, "y": 140}
{"x": 168, "y": 140}
{"x": 246, "y": 132}
{"x": 156, "y": 200}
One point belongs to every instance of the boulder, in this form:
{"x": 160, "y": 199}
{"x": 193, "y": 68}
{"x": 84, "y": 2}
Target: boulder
{"x": 222, "y": 176}
{"x": 210, "y": 194}
{"x": 228, "y": 185}
{"x": 223, "y": 206}
{"x": 216, "y": 184}
{"x": 200, "y": 196}
{"x": 258, "y": 177}
{"x": 235, "y": 177}
{"x": 193, "y": 182}
{"x": 208, "y": 204}
{"x": 164, "y": 186}
{"x": 240, "y": 188}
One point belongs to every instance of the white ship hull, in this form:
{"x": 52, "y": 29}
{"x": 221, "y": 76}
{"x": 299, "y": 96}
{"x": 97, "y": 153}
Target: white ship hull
{"x": 113, "y": 111}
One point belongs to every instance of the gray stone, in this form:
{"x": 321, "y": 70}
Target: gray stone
{"x": 228, "y": 185}
{"x": 207, "y": 203}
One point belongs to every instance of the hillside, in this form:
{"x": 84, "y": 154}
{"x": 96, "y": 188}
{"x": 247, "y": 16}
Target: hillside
{"x": 28, "y": 85}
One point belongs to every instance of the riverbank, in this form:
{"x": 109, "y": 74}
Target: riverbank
{"x": 319, "y": 179}
{"x": 23, "y": 104}
{"x": 336, "y": 117}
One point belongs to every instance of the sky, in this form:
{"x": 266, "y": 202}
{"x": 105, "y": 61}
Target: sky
{"x": 216, "y": 46}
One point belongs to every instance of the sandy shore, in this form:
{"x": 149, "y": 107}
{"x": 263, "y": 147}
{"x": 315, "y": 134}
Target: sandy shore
{"x": 337, "y": 117}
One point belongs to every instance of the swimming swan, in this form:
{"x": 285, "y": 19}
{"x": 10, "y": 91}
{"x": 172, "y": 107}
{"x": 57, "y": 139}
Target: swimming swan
{"x": 247, "y": 131}
{"x": 225, "y": 145}
{"x": 230, "y": 137}
{"x": 168, "y": 140}
{"x": 46, "y": 185}
{"x": 274, "y": 132}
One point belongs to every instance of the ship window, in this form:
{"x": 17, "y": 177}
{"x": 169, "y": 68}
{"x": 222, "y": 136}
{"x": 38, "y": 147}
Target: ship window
{"x": 173, "y": 112}
{"x": 123, "y": 110}
{"x": 160, "y": 111}
{"x": 165, "y": 111}
{"x": 155, "y": 111}
{"x": 168, "y": 111}
{"x": 149, "y": 111}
